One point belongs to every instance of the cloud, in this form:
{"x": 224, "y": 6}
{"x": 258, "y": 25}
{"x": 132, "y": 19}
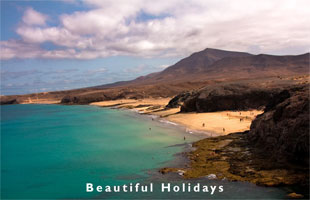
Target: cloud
{"x": 164, "y": 28}
{"x": 163, "y": 66}
{"x": 18, "y": 49}
{"x": 32, "y": 17}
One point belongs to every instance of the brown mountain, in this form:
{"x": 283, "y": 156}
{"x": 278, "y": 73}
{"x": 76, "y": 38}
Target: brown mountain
{"x": 194, "y": 65}
{"x": 206, "y": 67}
{"x": 186, "y": 69}
{"x": 261, "y": 65}
{"x": 211, "y": 64}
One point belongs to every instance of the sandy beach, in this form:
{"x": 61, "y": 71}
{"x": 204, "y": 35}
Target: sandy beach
{"x": 40, "y": 101}
{"x": 213, "y": 123}
{"x": 140, "y": 105}
{"x": 219, "y": 123}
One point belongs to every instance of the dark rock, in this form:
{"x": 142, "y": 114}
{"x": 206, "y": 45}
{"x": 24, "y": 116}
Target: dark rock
{"x": 66, "y": 99}
{"x": 293, "y": 195}
{"x": 279, "y": 98}
{"x": 8, "y": 101}
{"x": 232, "y": 157}
{"x": 178, "y": 100}
{"x": 83, "y": 99}
{"x": 228, "y": 97}
{"x": 283, "y": 129}
{"x": 167, "y": 170}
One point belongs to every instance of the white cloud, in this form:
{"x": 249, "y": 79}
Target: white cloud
{"x": 174, "y": 28}
{"x": 32, "y": 17}
{"x": 163, "y": 66}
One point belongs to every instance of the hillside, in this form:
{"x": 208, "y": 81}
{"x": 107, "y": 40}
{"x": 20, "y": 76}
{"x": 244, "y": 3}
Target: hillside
{"x": 212, "y": 64}
{"x": 207, "y": 67}
{"x": 191, "y": 67}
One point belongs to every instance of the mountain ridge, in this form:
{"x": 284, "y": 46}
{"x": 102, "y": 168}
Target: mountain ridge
{"x": 202, "y": 66}
{"x": 206, "y": 67}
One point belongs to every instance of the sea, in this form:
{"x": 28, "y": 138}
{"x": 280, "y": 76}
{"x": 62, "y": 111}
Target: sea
{"x": 53, "y": 151}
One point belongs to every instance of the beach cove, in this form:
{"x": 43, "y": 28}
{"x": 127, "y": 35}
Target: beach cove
{"x": 59, "y": 149}
{"x": 210, "y": 124}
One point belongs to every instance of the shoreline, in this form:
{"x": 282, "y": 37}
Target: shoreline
{"x": 224, "y": 155}
{"x": 211, "y": 124}
{"x": 214, "y": 154}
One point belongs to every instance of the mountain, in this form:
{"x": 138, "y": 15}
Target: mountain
{"x": 196, "y": 63}
{"x": 262, "y": 65}
{"x": 220, "y": 64}
{"x": 186, "y": 69}
{"x": 207, "y": 67}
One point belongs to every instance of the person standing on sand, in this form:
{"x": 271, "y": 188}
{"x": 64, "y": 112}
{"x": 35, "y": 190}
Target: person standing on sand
{"x": 203, "y": 124}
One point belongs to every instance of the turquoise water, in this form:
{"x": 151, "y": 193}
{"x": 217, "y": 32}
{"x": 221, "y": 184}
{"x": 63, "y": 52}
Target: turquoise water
{"x": 52, "y": 151}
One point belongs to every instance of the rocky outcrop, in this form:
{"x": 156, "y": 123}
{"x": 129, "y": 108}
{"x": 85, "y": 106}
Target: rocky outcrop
{"x": 178, "y": 100}
{"x": 283, "y": 129}
{"x": 228, "y": 97}
{"x": 101, "y": 96}
{"x": 232, "y": 157}
{"x": 275, "y": 152}
{"x": 83, "y": 99}
{"x": 8, "y": 101}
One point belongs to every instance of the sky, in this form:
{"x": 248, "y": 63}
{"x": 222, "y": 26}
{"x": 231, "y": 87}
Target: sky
{"x": 66, "y": 44}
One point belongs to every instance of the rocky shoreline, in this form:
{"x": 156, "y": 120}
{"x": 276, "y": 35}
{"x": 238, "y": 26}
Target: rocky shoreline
{"x": 232, "y": 157}
{"x": 275, "y": 152}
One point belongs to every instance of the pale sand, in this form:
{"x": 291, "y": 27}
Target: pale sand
{"x": 140, "y": 105}
{"x": 220, "y": 123}
{"x": 112, "y": 103}
{"x": 41, "y": 101}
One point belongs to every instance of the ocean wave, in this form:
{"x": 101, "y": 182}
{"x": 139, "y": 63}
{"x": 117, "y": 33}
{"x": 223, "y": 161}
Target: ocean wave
{"x": 168, "y": 122}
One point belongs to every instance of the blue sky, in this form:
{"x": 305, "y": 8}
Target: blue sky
{"x": 58, "y": 45}
{"x": 20, "y": 75}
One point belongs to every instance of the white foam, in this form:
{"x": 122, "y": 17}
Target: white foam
{"x": 168, "y": 122}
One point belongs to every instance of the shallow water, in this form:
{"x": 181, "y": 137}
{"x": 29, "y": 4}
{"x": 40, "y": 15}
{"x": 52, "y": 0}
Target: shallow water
{"x": 52, "y": 151}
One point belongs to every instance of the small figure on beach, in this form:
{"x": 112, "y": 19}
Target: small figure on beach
{"x": 223, "y": 129}
{"x": 240, "y": 113}
{"x": 203, "y": 124}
